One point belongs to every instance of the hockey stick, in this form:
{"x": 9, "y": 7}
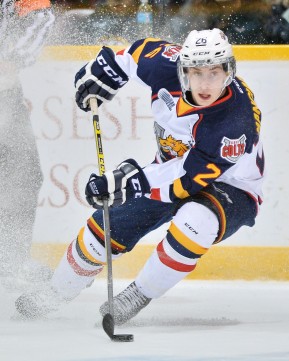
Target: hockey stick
{"x": 108, "y": 319}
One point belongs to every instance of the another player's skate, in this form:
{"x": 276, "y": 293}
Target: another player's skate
{"x": 126, "y": 304}
{"x": 39, "y": 303}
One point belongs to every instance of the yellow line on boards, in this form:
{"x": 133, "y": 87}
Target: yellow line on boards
{"x": 72, "y": 52}
{"x": 242, "y": 52}
{"x": 261, "y": 52}
{"x": 220, "y": 263}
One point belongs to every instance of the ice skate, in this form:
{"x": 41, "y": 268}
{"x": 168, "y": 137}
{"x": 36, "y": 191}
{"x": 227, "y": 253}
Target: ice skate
{"x": 39, "y": 303}
{"x": 126, "y": 304}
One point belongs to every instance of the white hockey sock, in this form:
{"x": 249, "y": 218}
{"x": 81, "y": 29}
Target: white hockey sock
{"x": 193, "y": 230}
{"x": 73, "y": 274}
{"x": 83, "y": 260}
{"x": 161, "y": 272}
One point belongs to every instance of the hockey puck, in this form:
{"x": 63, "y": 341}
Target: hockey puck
{"x": 122, "y": 338}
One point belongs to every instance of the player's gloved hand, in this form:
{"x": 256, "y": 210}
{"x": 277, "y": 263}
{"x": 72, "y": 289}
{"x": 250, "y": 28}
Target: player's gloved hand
{"x": 126, "y": 181}
{"x": 100, "y": 78}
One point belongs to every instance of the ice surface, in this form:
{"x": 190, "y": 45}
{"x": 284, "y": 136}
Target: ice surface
{"x": 197, "y": 320}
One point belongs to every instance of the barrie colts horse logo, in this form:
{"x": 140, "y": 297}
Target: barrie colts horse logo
{"x": 233, "y": 149}
{"x": 173, "y": 147}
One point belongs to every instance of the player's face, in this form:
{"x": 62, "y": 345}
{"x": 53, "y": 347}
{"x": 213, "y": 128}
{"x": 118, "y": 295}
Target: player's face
{"x": 206, "y": 83}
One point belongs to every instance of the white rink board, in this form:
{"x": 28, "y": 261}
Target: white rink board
{"x": 67, "y": 149}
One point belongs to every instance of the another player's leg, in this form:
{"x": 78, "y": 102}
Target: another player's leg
{"x": 83, "y": 260}
{"x": 20, "y": 182}
{"x": 192, "y": 232}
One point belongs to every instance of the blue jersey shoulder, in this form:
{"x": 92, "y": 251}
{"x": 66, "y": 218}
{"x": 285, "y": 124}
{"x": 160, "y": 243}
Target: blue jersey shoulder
{"x": 233, "y": 123}
{"x": 157, "y": 63}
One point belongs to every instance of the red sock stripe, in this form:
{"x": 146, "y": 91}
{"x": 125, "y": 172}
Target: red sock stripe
{"x": 171, "y": 263}
{"x": 76, "y": 268}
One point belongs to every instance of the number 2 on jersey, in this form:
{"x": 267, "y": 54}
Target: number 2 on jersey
{"x": 215, "y": 172}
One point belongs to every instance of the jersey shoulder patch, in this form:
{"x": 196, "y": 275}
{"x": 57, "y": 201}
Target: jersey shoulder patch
{"x": 171, "y": 52}
{"x": 233, "y": 149}
{"x": 151, "y": 48}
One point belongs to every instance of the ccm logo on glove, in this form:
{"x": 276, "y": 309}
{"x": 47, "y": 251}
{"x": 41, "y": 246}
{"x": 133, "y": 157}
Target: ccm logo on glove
{"x": 137, "y": 187}
{"x": 125, "y": 182}
{"x": 93, "y": 186}
{"x": 100, "y": 78}
{"x": 110, "y": 72}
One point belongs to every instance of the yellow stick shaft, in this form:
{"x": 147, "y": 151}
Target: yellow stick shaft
{"x": 106, "y": 220}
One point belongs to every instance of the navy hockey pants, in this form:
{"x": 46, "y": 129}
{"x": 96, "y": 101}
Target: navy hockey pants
{"x": 137, "y": 217}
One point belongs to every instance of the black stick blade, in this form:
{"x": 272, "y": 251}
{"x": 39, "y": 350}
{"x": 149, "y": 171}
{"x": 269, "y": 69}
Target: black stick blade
{"x": 122, "y": 338}
{"x": 108, "y": 325}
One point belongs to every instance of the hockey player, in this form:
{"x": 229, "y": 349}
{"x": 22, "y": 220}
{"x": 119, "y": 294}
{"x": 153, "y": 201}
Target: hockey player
{"x": 24, "y": 26}
{"x": 206, "y": 177}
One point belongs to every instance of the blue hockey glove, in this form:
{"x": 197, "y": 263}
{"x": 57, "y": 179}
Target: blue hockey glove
{"x": 125, "y": 182}
{"x": 100, "y": 78}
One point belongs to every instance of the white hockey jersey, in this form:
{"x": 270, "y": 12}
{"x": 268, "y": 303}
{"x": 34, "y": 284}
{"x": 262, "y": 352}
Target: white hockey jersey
{"x": 196, "y": 146}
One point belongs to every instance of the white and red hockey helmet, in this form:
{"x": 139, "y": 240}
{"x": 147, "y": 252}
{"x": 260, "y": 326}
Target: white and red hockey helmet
{"x": 206, "y": 48}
